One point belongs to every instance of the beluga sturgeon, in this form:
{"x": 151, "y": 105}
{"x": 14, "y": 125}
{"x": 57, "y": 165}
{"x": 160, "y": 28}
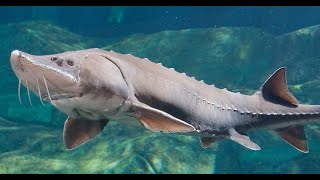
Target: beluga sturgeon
{"x": 94, "y": 86}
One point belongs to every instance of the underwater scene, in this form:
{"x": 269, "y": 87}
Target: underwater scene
{"x": 237, "y": 48}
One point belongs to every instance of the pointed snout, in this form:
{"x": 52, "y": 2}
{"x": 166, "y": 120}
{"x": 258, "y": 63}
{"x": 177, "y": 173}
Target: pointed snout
{"x": 15, "y": 55}
{"x": 16, "y": 62}
{"x": 19, "y": 60}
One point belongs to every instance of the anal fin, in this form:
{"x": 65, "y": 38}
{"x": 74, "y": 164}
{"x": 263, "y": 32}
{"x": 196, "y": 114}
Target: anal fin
{"x": 295, "y": 136}
{"x": 207, "y": 141}
{"x": 79, "y": 131}
{"x": 243, "y": 140}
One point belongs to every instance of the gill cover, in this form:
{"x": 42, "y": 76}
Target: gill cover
{"x": 99, "y": 72}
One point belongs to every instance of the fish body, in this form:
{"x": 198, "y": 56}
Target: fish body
{"x": 94, "y": 86}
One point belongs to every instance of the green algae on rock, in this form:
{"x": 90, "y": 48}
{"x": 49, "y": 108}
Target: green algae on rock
{"x": 38, "y": 37}
{"x": 42, "y": 37}
{"x": 39, "y": 149}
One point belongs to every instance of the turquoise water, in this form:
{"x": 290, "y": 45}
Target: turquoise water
{"x": 231, "y": 47}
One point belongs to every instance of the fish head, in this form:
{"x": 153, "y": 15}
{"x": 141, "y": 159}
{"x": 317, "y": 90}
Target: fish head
{"x": 73, "y": 81}
{"x": 52, "y": 77}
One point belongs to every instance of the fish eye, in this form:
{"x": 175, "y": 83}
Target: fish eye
{"x": 54, "y": 58}
{"x": 70, "y": 62}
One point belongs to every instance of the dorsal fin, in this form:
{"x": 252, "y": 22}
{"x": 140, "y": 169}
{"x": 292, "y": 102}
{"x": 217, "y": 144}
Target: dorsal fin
{"x": 276, "y": 88}
{"x": 295, "y": 136}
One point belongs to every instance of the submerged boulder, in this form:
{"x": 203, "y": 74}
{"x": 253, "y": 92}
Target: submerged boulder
{"x": 299, "y": 51}
{"x": 227, "y": 57}
{"x": 37, "y": 37}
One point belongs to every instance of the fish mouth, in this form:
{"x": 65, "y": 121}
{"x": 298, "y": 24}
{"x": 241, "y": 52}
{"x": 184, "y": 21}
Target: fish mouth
{"x": 59, "y": 96}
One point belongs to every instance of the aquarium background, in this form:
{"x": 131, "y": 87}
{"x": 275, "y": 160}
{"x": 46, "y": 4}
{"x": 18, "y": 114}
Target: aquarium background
{"x": 236, "y": 48}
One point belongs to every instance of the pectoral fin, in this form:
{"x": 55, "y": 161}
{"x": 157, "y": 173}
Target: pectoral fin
{"x": 157, "y": 120}
{"x": 295, "y": 136}
{"x": 243, "y": 140}
{"x": 79, "y": 131}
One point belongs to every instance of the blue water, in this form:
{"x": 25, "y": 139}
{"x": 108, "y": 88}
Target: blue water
{"x": 119, "y": 21}
{"x": 232, "y": 47}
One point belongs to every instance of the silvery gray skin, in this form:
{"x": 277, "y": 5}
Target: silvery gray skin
{"x": 94, "y": 86}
